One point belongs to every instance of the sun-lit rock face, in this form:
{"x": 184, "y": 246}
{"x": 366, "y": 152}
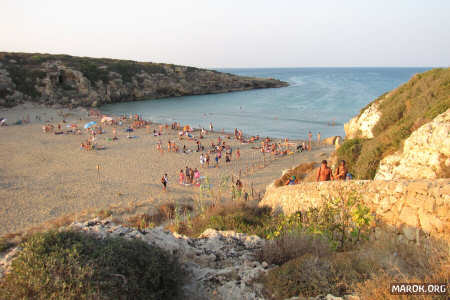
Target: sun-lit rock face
{"x": 361, "y": 126}
{"x": 425, "y": 154}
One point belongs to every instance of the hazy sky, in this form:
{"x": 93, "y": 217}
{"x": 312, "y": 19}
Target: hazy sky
{"x": 232, "y": 33}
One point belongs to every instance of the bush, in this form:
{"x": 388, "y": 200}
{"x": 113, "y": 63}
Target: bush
{"x": 25, "y": 79}
{"x": 402, "y": 111}
{"x": 75, "y": 265}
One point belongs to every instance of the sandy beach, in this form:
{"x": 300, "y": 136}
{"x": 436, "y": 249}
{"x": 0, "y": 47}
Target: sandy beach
{"x": 44, "y": 176}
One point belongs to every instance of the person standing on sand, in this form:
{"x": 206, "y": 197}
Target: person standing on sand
{"x": 181, "y": 177}
{"x": 192, "y": 174}
{"x": 217, "y": 160}
{"x": 188, "y": 175}
{"x": 324, "y": 173}
{"x": 318, "y": 138}
{"x": 309, "y": 139}
{"x": 207, "y": 158}
{"x": 238, "y": 154}
{"x": 202, "y": 160}
{"x": 196, "y": 176}
{"x": 114, "y": 133}
{"x": 211, "y": 127}
{"x": 164, "y": 181}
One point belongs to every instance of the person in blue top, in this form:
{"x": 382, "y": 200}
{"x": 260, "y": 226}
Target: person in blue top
{"x": 291, "y": 181}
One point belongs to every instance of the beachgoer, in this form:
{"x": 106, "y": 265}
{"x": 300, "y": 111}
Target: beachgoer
{"x": 188, "y": 174}
{"x": 202, "y": 160}
{"x": 164, "y": 181}
{"x": 324, "y": 173}
{"x": 238, "y": 153}
{"x": 291, "y": 181}
{"x": 309, "y": 139}
{"x": 318, "y": 138}
{"x": 191, "y": 177}
{"x": 210, "y": 126}
{"x": 196, "y": 176}
{"x": 341, "y": 172}
{"x": 217, "y": 160}
{"x": 181, "y": 177}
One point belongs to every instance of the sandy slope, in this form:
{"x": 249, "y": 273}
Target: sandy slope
{"x": 43, "y": 176}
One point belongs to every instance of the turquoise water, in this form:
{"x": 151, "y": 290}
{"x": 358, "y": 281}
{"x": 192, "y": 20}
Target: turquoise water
{"x": 316, "y": 99}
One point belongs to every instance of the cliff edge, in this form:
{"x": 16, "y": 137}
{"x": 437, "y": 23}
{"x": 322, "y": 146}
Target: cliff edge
{"x": 83, "y": 81}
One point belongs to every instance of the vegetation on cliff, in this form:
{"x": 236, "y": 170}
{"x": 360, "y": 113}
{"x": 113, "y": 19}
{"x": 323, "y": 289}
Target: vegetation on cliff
{"x": 71, "y": 80}
{"x": 403, "y": 111}
{"x": 75, "y": 265}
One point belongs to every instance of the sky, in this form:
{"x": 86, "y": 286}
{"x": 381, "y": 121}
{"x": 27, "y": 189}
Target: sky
{"x": 234, "y": 33}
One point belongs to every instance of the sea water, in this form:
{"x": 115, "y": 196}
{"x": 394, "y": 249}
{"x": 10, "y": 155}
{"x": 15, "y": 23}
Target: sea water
{"x": 317, "y": 100}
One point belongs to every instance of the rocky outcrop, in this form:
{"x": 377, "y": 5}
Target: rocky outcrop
{"x": 412, "y": 209}
{"x": 219, "y": 264}
{"x": 425, "y": 154}
{"x": 361, "y": 126}
{"x": 79, "y": 81}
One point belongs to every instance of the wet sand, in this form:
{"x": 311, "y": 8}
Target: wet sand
{"x": 44, "y": 176}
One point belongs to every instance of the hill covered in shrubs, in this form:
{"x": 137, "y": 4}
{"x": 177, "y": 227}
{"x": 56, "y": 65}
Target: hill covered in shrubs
{"x": 73, "y": 81}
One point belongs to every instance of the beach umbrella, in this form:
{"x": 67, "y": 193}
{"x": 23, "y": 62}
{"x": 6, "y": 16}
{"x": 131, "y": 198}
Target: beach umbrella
{"x": 90, "y": 124}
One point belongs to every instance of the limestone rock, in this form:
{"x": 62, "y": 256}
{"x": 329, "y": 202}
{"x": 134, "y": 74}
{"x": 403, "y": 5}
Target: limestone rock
{"x": 362, "y": 125}
{"x": 425, "y": 154}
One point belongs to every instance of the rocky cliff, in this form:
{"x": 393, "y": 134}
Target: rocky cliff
{"x": 82, "y": 81}
{"x": 397, "y": 135}
{"x": 425, "y": 154}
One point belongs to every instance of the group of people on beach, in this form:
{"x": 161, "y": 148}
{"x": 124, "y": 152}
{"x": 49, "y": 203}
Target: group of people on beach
{"x": 189, "y": 176}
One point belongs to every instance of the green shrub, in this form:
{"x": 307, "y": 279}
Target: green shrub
{"x": 25, "y": 79}
{"x": 92, "y": 71}
{"x": 75, "y": 265}
{"x": 403, "y": 110}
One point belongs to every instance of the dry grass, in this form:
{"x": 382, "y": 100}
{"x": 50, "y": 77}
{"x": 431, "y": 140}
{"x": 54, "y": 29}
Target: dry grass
{"x": 366, "y": 271}
{"x": 239, "y": 216}
{"x": 290, "y": 246}
{"x": 164, "y": 213}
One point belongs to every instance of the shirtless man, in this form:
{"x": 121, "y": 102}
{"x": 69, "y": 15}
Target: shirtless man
{"x": 318, "y": 138}
{"x": 324, "y": 173}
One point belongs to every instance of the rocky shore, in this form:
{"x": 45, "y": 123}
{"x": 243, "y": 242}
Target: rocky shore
{"x": 81, "y": 81}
